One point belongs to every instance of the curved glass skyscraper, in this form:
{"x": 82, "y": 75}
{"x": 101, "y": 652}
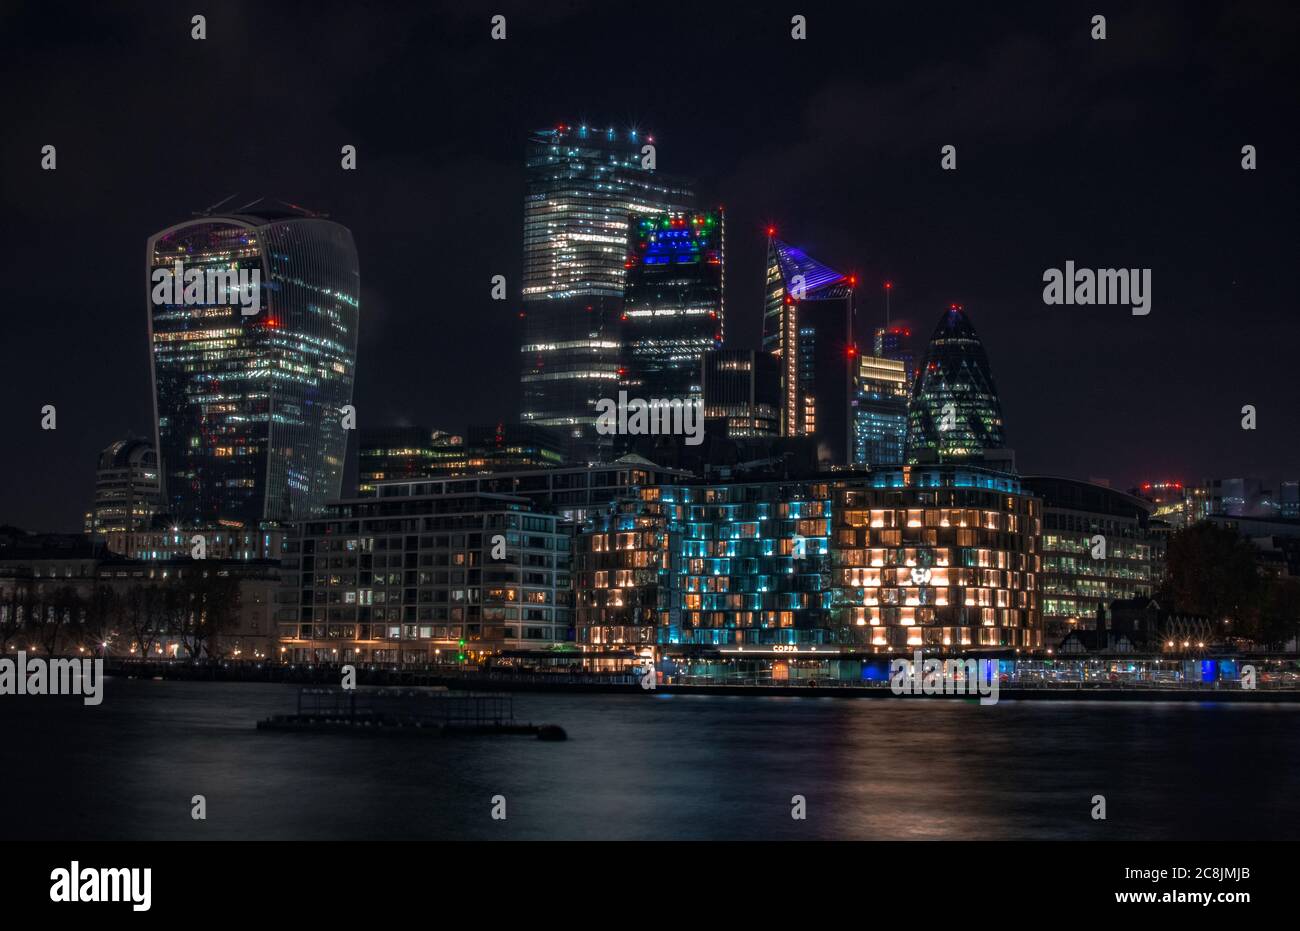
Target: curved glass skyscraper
{"x": 955, "y": 414}
{"x": 248, "y": 388}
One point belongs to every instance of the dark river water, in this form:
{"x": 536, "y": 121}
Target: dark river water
{"x": 651, "y": 766}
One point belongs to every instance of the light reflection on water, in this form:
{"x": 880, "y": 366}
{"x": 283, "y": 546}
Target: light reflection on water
{"x": 652, "y": 766}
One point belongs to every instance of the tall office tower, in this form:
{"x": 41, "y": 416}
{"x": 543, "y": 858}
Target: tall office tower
{"x": 955, "y": 413}
{"x": 895, "y": 343}
{"x": 742, "y": 393}
{"x": 808, "y": 326}
{"x": 248, "y": 393}
{"x": 126, "y": 487}
{"x": 673, "y": 308}
{"x": 584, "y": 187}
{"x": 883, "y": 387}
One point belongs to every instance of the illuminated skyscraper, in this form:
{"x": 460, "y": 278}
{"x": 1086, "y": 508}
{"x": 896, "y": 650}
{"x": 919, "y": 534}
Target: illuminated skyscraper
{"x": 880, "y": 412}
{"x": 808, "y": 326}
{"x": 248, "y": 398}
{"x": 955, "y": 413}
{"x": 673, "y": 307}
{"x": 895, "y": 342}
{"x": 584, "y": 186}
{"x": 742, "y": 393}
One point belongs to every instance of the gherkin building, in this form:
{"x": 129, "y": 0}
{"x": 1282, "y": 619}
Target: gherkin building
{"x": 955, "y": 414}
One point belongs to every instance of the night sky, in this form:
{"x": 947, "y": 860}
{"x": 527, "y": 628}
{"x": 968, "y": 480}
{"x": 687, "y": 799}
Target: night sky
{"x": 1115, "y": 153}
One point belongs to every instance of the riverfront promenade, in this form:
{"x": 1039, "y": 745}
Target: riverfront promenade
{"x": 1278, "y": 687}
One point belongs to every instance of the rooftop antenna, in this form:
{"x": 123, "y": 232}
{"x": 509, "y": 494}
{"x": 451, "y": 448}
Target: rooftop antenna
{"x": 302, "y": 210}
{"x": 889, "y": 289}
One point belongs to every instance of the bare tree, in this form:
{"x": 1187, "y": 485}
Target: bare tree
{"x": 96, "y": 626}
{"x": 53, "y": 624}
{"x": 146, "y": 616}
{"x": 14, "y": 611}
{"x": 206, "y": 603}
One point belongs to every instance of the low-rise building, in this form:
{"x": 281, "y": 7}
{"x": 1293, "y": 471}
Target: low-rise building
{"x": 1099, "y": 546}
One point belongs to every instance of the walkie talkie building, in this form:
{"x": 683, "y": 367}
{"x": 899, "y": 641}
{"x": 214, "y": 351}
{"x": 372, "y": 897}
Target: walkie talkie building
{"x": 249, "y": 392}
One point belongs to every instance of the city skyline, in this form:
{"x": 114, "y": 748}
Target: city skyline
{"x": 593, "y": 423}
{"x": 1086, "y": 392}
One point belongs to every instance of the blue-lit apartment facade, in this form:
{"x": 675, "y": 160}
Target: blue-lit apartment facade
{"x": 937, "y": 557}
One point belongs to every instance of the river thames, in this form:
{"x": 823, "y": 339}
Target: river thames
{"x": 652, "y": 766}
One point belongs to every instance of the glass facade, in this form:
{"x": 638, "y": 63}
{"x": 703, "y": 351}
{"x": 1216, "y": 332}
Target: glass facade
{"x": 708, "y": 565}
{"x": 742, "y": 393}
{"x": 584, "y": 187}
{"x": 248, "y": 407}
{"x": 941, "y": 557}
{"x": 955, "y": 412}
{"x": 808, "y": 326}
{"x": 673, "y": 308}
{"x": 404, "y": 453}
{"x": 391, "y": 454}
{"x": 880, "y": 412}
{"x": 896, "y": 343}
{"x": 1079, "y": 580}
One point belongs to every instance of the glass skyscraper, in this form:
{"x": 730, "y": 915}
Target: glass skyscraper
{"x": 896, "y": 343}
{"x": 673, "y": 307}
{"x": 880, "y": 411}
{"x": 742, "y": 393}
{"x": 584, "y": 187}
{"x": 808, "y": 326}
{"x": 248, "y": 400}
{"x": 955, "y": 413}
